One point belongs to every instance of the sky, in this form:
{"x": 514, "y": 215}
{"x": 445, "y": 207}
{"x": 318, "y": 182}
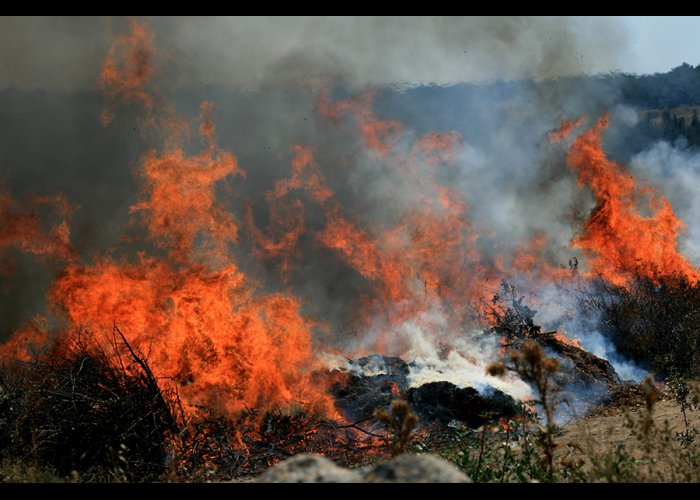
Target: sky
{"x": 660, "y": 43}
{"x": 65, "y": 53}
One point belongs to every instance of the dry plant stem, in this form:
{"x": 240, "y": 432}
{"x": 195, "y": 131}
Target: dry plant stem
{"x": 533, "y": 366}
{"x": 401, "y": 422}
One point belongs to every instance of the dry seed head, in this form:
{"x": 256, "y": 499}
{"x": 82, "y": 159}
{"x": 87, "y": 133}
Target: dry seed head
{"x": 515, "y": 357}
{"x": 411, "y": 420}
{"x": 399, "y": 406}
{"x": 550, "y": 365}
{"x": 532, "y": 353}
{"x": 651, "y": 392}
{"x": 381, "y": 415}
{"x": 496, "y": 369}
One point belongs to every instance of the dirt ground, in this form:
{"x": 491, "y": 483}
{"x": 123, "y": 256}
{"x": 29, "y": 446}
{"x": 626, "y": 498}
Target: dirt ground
{"x": 609, "y": 430}
{"x": 657, "y": 454}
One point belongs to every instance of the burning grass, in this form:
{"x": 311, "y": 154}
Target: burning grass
{"x": 82, "y": 414}
{"x": 93, "y": 411}
{"x": 82, "y": 410}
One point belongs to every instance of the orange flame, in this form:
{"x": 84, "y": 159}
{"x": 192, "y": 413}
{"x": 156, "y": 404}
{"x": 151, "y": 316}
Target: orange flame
{"x": 188, "y": 306}
{"x": 378, "y": 135}
{"x": 565, "y": 129}
{"x": 409, "y": 266}
{"x": 127, "y": 68}
{"x": 40, "y": 229}
{"x": 190, "y": 310}
{"x": 27, "y": 341}
{"x": 618, "y": 238}
{"x": 573, "y": 342}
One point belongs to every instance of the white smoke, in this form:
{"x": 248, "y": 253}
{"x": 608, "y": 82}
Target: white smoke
{"x": 595, "y": 343}
{"x": 560, "y": 311}
{"x": 464, "y": 365}
{"x": 435, "y": 353}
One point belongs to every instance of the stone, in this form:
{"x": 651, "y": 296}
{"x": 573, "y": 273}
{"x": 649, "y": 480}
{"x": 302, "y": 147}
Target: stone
{"x": 308, "y": 469}
{"x": 406, "y": 468}
{"x": 423, "y": 468}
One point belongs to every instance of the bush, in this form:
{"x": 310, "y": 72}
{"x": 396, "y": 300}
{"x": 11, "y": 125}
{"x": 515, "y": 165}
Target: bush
{"x": 655, "y": 322}
{"x": 81, "y": 409}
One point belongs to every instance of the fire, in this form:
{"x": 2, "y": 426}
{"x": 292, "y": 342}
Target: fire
{"x": 227, "y": 347}
{"x": 378, "y": 135}
{"x": 565, "y": 129}
{"x": 186, "y": 304}
{"x": 633, "y": 230}
{"x": 573, "y": 342}
{"x": 27, "y": 341}
{"x": 409, "y": 265}
{"x": 179, "y": 201}
{"x": 128, "y": 68}
{"x": 40, "y": 229}
{"x": 423, "y": 264}
{"x": 426, "y": 265}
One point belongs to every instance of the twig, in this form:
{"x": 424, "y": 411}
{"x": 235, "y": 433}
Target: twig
{"x": 355, "y": 426}
{"x": 150, "y": 379}
{"x": 3, "y": 387}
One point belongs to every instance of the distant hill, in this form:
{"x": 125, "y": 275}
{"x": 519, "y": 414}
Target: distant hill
{"x": 678, "y": 87}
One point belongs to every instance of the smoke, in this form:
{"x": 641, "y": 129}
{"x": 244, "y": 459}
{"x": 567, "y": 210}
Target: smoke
{"x": 463, "y": 364}
{"x": 65, "y": 53}
{"x": 595, "y": 343}
{"x": 584, "y": 326}
{"x": 675, "y": 171}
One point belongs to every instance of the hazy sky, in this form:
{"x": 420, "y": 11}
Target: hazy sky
{"x": 659, "y": 43}
{"x": 65, "y": 53}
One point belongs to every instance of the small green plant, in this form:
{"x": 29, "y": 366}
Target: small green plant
{"x": 613, "y": 466}
{"x": 678, "y": 385}
{"x": 13, "y": 470}
{"x": 506, "y": 450}
{"x": 401, "y": 423}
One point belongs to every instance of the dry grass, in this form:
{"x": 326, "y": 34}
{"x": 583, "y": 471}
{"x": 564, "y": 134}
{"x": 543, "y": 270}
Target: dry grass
{"x": 639, "y": 444}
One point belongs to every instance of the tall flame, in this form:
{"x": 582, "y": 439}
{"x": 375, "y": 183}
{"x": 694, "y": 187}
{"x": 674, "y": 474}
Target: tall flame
{"x": 41, "y": 228}
{"x": 186, "y": 304}
{"x": 633, "y": 230}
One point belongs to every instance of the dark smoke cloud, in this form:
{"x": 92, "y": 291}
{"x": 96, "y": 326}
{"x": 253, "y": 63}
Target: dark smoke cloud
{"x": 65, "y": 53}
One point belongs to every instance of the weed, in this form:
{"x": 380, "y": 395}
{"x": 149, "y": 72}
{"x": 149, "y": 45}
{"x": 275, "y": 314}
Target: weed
{"x": 401, "y": 423}
{"x": 534, "y": 367}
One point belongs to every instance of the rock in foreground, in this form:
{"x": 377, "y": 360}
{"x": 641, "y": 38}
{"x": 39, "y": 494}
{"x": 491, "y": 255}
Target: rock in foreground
{"x": 416, "y": 469}
{"x": 404, "y": 468}
{"x": 308, "y": 469}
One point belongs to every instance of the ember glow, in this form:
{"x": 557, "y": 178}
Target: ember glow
{"x": 418, "y": 268}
